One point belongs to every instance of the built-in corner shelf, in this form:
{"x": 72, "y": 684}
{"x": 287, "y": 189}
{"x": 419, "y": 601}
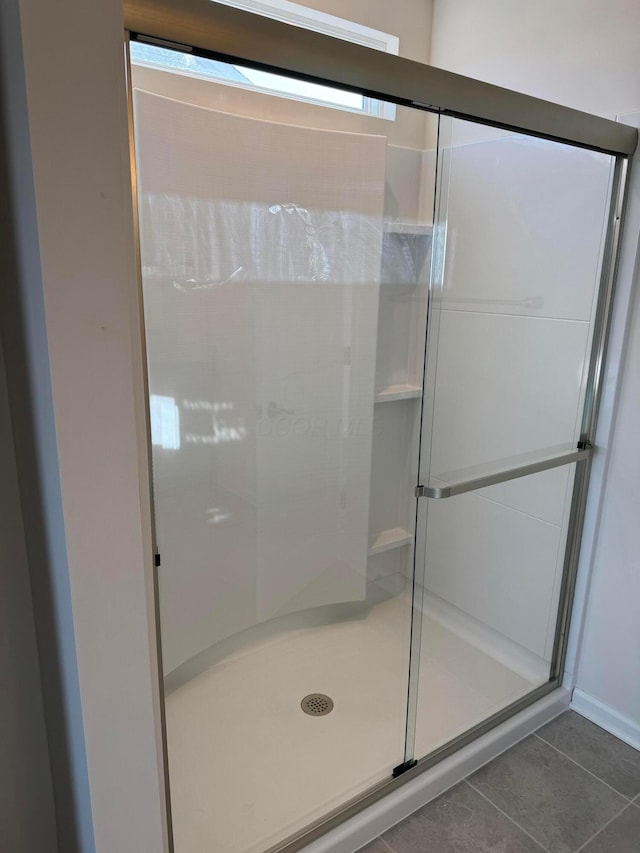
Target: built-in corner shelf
{"x": 395, "y": 537}
{"x": 408, "y": 228}
{"x": 398, "y": 392}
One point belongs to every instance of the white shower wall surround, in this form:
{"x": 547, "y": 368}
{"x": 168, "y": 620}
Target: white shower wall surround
{"x": 268, "y": 524}
{"x": 287, "y": 269}
{"x": 525, "y": 223}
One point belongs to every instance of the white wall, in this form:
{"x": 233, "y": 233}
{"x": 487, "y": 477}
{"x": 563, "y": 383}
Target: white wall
{"x": 77, "y": 114}
{"x": 582, "y": 53}
{"x": 410, "y": 20}
{"x": 24, "y": 341}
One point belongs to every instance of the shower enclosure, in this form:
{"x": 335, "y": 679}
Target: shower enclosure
{"x": 374, "y": 342}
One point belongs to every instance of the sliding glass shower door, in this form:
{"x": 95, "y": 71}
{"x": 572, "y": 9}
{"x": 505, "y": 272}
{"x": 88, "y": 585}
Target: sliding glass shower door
{"x": 370, "y": 347}
{"x": 519, "y": 236}
{"x": 285, "y": 252}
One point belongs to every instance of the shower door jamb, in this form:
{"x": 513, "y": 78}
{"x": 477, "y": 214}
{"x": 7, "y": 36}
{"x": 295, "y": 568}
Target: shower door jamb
{"x": 619, "y": 189}
{"x": 160, "y": 696}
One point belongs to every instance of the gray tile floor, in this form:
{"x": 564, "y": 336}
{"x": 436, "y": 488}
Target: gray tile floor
{"x": 569, "y": 787}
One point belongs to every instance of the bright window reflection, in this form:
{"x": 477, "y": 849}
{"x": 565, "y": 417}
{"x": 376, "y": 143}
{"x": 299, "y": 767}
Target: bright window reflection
{"x": 249, "y": 78}
{"x": 165, "y": 422}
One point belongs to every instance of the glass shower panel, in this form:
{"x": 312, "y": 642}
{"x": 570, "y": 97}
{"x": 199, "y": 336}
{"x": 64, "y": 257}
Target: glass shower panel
{"x": 488, "y": 601}
{"x": 518, "y": 245}
{"x": 285, "y": 252}
{"x": 520, "y": 233}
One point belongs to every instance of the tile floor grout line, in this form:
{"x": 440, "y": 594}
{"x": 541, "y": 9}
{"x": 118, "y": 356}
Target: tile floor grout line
{"x": 386, "y": 843}
{"x": 508, "y": 816}
{"x": 577, "y": 764}
{"x": 633, "y": 801}
{"x": 602, "y": 828}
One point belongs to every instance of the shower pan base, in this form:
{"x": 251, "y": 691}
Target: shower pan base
{"x": 303, "y": 767}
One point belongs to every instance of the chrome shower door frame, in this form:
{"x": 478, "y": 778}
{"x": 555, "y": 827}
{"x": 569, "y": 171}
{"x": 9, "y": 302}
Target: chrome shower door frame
{"x": 207, "y": 29}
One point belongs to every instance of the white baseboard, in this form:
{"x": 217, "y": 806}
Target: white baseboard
{"x": 381, "y": 816}
{"x": 607, "y": 718}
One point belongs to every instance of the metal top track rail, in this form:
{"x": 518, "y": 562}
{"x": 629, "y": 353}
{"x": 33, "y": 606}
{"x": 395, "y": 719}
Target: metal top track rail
{"x": 208, "y": 28}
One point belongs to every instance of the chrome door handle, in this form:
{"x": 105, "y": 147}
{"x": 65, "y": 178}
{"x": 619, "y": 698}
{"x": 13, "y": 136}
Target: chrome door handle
{"x": 440, "y": 492}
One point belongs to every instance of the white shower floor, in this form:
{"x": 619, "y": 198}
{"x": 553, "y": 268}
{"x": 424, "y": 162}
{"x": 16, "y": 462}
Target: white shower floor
{"x": 248, "y": 767}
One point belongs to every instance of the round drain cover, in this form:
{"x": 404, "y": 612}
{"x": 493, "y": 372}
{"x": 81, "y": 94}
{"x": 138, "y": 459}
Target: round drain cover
{"x": 317, "y": 704}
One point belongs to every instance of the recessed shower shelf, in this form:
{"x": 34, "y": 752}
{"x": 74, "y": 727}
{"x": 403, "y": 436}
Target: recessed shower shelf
{"x": 395, "y": 537}
{"x": 408, "y": 228}
{"x": 398, "y": 392}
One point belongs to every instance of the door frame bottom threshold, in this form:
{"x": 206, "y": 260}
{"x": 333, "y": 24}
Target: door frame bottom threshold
{"x": 359, "y": 822}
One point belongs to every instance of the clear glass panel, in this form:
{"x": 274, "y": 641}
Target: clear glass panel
{"x": 285, "y": 255}
{"x": 489, "y": 600}
{"x": 518, "y": 242}
{"x": 519, "y": 234}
